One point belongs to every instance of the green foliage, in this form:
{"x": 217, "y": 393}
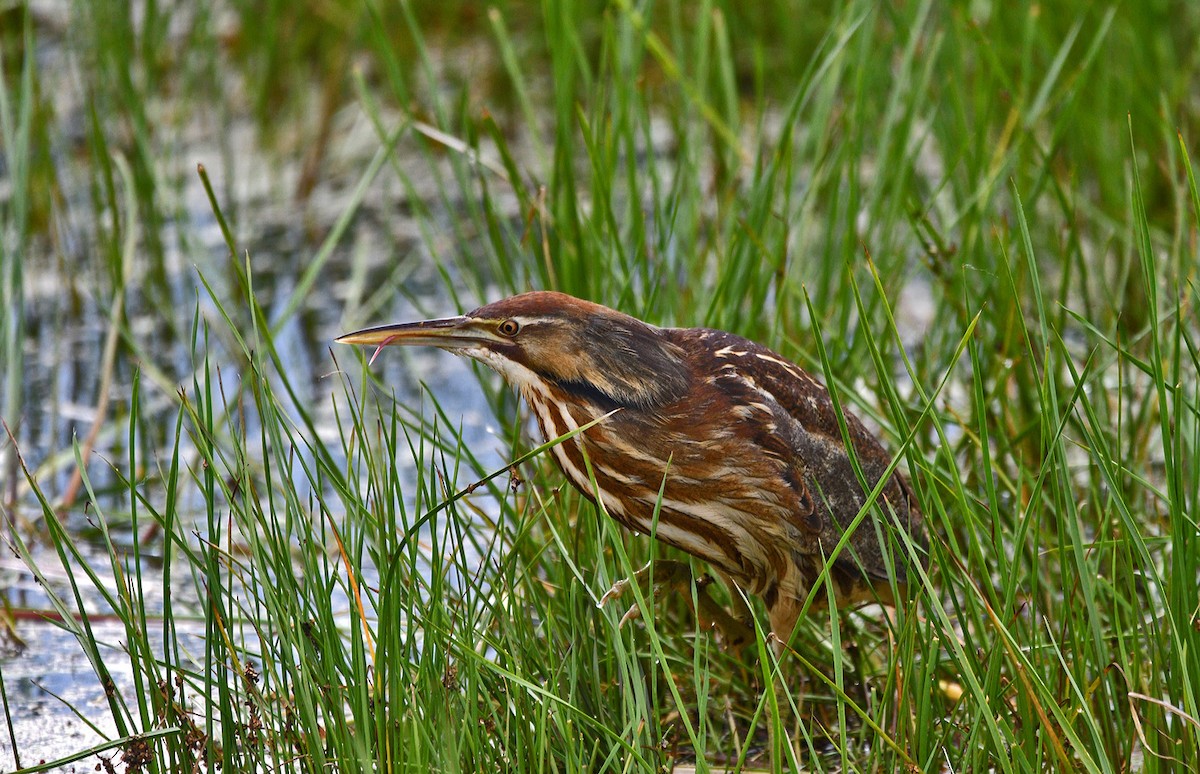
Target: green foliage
{"x": 977, "y": 220}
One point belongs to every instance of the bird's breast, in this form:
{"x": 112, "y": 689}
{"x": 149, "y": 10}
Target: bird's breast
{"x": 696, "y": 490}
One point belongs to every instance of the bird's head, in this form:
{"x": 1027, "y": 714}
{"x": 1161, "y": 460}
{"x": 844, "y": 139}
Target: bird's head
{"x": 540, "y": 339}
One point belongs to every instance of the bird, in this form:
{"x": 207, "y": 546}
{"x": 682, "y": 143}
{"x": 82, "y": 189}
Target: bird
{"x": 711, "y": 442}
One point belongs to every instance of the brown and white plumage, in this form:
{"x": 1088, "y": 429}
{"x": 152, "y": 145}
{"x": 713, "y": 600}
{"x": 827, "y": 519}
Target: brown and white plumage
{"x": 758, "y": 482}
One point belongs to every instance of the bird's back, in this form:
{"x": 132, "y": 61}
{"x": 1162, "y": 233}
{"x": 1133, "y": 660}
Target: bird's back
{"x": 792, "y": 421}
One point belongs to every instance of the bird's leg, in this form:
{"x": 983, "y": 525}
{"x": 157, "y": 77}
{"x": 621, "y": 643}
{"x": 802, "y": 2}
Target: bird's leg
{"x": 783, "y": 616}
{"x": 735, "y": 630}
{"x": 677, "y": 576}
{"x": 667, "y": 573}
{"x": 736, "y": 625}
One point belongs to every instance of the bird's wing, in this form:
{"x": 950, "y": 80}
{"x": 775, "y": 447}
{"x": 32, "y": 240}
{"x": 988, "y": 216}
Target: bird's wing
{"x": 802, "y": 431}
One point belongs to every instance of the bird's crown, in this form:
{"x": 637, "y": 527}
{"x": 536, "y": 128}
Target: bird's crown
{"x": 589, "y": 349}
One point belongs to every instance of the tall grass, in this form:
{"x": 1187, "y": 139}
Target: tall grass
{"x": 16, "y": 115}
{"x": 978, "y": 230}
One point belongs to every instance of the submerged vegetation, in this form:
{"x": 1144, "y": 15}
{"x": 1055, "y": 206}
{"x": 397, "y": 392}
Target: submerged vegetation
{"x": 978, "y": 221}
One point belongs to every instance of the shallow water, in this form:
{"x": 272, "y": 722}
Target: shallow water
{"x": 50, "y": 674}
{"x": 68, "y": 302}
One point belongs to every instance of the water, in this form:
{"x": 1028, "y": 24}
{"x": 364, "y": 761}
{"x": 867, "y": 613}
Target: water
{"x": 68, "y": 305}
{"x": 51, "y": 674}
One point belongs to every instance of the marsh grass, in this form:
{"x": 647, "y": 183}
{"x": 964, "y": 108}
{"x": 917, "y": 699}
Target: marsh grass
{"x": 694, "y": 164}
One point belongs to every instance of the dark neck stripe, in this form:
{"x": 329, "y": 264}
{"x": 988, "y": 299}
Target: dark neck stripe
{"x": 588, "y": 391}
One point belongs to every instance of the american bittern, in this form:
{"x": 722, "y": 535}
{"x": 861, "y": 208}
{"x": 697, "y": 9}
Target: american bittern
{"x": 758, "y": 481}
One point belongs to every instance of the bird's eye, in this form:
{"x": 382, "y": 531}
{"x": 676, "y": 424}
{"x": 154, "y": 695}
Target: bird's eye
{"x": 509, "y": 327}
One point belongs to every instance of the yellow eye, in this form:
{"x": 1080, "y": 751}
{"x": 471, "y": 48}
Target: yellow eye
{"x": 509, "y": 327}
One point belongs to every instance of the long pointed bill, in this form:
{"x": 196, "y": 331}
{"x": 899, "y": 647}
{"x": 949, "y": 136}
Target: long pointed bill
{"x": 448, "y": 333}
